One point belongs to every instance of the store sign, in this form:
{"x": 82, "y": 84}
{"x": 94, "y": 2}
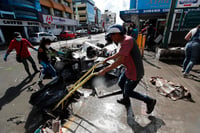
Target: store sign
{"x": 187, "y": 3}
{"x": 144, "y": 11}
{"x": 9, "y": 22}
{"x": 153, "y": 4}
{"x": 48, "y": 19}
{"x": 12, "y": 22}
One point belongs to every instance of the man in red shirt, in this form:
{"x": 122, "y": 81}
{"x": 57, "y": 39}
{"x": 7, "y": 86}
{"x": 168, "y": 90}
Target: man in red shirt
{"x": 128, "y": 55}
{"x": 21, "y": 47}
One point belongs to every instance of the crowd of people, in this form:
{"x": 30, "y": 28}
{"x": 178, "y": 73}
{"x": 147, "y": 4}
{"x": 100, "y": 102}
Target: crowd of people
{"x": 192, "y": 48}
{"x": 147, "y": 29}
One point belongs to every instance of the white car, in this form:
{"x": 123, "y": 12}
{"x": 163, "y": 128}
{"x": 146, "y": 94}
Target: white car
{"x": 37, "y": 37}
{"x": 81, "y": 32}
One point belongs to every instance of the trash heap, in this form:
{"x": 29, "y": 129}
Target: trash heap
{"x": 171, "y": 90}
{"x": 71, "y": 67}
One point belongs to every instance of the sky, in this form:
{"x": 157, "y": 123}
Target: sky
{"x": 114, "y": 6}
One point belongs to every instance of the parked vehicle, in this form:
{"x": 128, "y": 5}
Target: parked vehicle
{"x": 82, "y": 32}
{"x": 94, "y": 30}
{"x": 67, "y": 35}
{"x": 36, "y": 38}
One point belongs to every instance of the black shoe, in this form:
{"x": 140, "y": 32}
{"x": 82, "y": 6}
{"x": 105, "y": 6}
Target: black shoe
{"x": 150, "y": 106}
{"x": 36, "y": 71}
{"x": 39, "y": 82}
{"x": 124, "y": 101}
{"x": 29, "y": 74}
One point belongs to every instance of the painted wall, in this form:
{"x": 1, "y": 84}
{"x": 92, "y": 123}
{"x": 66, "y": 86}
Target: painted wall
{"x": 133, "y": 4}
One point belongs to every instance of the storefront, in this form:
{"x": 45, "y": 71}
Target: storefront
{"x": 56, "y": 25}
{"x": 145, "y": 9}
{"x": 186, "y": 16}
{"x": 9, "y": 26}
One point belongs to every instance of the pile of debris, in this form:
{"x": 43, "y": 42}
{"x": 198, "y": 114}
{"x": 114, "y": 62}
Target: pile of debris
{"x": 70, "y": 67}
{"x": 170, "y": 89}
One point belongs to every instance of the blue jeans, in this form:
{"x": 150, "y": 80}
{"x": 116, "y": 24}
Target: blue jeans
{"x": 128, "y": 87}
{"x": 192, "y": 55}
{"x": 48, "y": 68}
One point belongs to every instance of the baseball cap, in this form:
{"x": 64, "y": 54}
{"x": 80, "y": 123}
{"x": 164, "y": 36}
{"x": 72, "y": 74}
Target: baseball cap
{"x": 17, "y": 35}
{"x": 116, "y": 28}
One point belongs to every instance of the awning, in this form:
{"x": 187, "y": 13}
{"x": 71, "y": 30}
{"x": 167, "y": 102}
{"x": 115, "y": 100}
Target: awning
{"x": 143, "y": 14}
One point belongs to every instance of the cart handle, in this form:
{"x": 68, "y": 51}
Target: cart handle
{"x": 90, "y": 73}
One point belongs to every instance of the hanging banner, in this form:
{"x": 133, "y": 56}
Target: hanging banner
{"x": 48, "y": 19}
{"x": 187, "y": 3}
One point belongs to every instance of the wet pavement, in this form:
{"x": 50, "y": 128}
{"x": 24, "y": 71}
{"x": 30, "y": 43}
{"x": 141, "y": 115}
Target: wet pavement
{"x": 91, "y": 114}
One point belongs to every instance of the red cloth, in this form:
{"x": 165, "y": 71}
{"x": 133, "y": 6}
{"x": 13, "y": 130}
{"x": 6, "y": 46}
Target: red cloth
{"x": 17, "y": 45}
{"x": 125, "y": 50}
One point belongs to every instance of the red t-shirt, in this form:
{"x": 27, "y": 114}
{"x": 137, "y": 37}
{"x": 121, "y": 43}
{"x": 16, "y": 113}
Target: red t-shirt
{"x": 17, "y": 46}
{"x": 133, "y": 71}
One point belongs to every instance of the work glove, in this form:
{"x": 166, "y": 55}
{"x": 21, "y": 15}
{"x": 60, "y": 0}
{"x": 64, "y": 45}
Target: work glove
{"x": 43, "y": 64}
{"x": 35, "y": 49}
{"x": 59, "y": 52}
{"x": 5, "y": 57}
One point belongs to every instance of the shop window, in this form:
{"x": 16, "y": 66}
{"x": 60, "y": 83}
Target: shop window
{"x": 46, "y": 10}
{"x": 28, "y": 14}
{"x": 58, "y": 1}
{"x": 59, "y": 26}
{"x": 81, "y": 8}
{"x": 66, "y": 3}
{"x": 57, "y": 13}
{"x": 82, "y": 15}
{"x": 78, "y": 3}
{"x": 67, "y": 15}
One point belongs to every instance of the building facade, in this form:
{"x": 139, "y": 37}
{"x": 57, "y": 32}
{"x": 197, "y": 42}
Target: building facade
{"x": 108, "y": 18}
{"x": 85, "y": 13}
{"x": 98, "y": 17}
{"x": 30, "y": 16}
{"x": 18, "y": 15}
{"x": 57, "y": 16}
{"x": 185, "y": 17}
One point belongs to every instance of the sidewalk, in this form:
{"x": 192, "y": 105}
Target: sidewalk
{"x": 3, "y": 47}
{"x": 105, "y": 115}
